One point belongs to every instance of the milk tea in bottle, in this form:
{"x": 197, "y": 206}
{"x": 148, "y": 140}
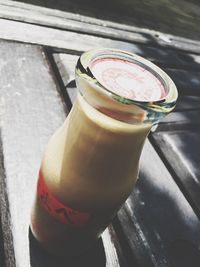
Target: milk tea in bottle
{"x": 90, "y": 164}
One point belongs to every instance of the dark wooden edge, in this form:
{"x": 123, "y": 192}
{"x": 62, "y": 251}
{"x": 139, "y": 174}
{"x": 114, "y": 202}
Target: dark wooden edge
{"x": 6, "y": 243}
{"x": 129, "y": 255}
{"x": 132, "y": 240}
{"x": 48, "y": 52}
{"x": 2, "y": 253}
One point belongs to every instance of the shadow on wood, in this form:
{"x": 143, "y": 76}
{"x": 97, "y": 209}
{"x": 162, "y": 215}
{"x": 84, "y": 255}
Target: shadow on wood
{"x": 184, "y": 253}
{"x": 95, "y": 256}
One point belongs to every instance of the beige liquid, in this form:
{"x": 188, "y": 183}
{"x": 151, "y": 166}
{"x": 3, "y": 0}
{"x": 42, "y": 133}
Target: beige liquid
{"x": 91, "y": 165}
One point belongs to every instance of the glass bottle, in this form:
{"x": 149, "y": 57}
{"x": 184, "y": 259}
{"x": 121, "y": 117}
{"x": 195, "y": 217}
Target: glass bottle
{"x": 91, "y": 163}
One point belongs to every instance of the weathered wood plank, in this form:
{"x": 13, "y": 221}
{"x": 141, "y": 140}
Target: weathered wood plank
{"x": 32, "y": 14}
{"x": 34, "y": 34}
{"x": 112, "y": 247}
{"x": 78, "y": 17}
{"x": 7, "y": 250}
{"x": 182, "y": 117}
{"x": 188, "y": 82}
{"x": 36, "y": 2}
{"x": 157, "y": 215}
{"x": 18, "y": 31}
{"x": 188, "y": 103}
{"x": 2, "y": 253}
{"x": 181, "y": 151}
{"x": 162, "y": 57}
{"x": 38, "y": 18}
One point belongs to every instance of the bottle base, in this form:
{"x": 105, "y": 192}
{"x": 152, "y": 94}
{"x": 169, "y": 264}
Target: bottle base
{"x": 93, "y": 255}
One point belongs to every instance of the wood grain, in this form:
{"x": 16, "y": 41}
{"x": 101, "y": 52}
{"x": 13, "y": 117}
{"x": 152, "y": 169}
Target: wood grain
{"x": 157, "y": 215}
{"x": 6, "y": 243}
{"x": 187, "y": 82}
{"x": 65, "y": 40}
{"x": 186, "y": 118}
{"x": 181, "y": 151}
{"x": 186, "y": 102}
{"x": 69, "y": 21}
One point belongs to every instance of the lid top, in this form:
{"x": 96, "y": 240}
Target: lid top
{"x": 127, "y": 79}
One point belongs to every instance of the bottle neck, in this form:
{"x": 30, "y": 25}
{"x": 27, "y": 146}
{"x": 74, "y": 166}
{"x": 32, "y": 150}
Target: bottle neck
{"x": 131, "y": 114}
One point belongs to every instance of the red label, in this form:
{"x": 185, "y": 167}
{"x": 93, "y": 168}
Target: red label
{"x": 57, "y": 209}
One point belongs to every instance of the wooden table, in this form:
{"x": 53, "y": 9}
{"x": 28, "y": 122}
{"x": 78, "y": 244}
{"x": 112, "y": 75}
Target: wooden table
{"x": 159, "y": 223}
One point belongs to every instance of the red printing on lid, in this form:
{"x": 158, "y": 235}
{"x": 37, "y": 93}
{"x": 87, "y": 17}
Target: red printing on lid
{"x": 127, "y": 79}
